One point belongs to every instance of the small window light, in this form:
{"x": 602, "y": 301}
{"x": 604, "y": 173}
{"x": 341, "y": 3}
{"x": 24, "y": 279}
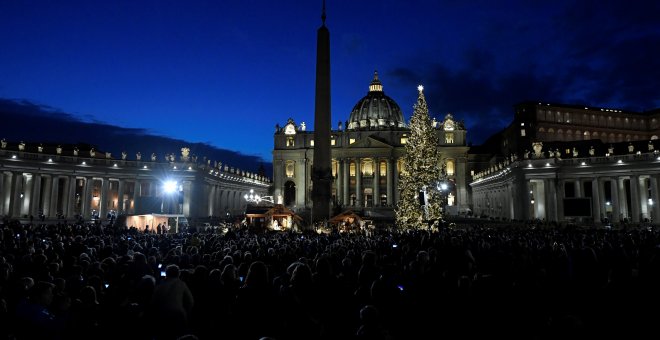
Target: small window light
{"x": 13, "y": 156}
{"x": 529, "y": 165}
{"x": 175, "y": 167}
{"x": 84, "y": 163}
{"x": 50, "y": 160}
{"x": 190, "y": 168}
{"x": 144, "y": 167}
{"x": 583, "y": 163}
{"x": 619, "y": 161}
{"x": 547, "y": 164}
{"x": 115, "y": 165}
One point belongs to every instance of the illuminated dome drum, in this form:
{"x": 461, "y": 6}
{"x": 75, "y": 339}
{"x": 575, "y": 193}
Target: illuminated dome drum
{"x": 375, "y": 111}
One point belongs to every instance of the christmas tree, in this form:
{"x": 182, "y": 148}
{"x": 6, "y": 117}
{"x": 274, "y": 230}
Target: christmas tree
{"x": 420, "y": 199}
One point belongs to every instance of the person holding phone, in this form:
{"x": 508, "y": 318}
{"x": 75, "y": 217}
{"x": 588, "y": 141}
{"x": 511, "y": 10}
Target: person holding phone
{"x": 172, "y": 304}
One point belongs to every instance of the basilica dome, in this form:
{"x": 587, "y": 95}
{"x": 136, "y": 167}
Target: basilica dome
{"x": 375, "y": 110}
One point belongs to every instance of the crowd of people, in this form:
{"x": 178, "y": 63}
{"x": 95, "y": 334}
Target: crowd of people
{"x": 70, "y": 281}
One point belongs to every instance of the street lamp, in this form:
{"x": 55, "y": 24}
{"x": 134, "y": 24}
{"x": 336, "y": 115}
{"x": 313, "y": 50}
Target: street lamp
{"x": 255, "y": 198}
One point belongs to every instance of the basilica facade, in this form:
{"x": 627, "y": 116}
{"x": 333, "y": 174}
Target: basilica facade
{"x": 366, "y": 158}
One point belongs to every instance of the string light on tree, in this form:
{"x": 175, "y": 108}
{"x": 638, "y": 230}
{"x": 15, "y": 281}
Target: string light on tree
{"x": 421, "y": 200}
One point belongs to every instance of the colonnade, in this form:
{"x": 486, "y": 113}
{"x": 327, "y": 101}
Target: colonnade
{"x": 614, "y": 197}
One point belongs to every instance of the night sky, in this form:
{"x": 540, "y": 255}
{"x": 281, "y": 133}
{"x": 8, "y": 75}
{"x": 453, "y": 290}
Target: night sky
{"x": 225, "y": 72}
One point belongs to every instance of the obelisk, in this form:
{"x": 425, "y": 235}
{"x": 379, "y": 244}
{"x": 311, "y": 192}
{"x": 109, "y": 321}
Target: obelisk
{"x": 321, "y": 174}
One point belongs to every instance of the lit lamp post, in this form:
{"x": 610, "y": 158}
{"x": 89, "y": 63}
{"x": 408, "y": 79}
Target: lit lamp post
{"x": 169, "y": 188}
{"x": 255, "y": 198}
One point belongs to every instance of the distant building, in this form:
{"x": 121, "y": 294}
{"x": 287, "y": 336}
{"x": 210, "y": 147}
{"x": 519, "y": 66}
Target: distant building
{"x": 64, "y": 183}
{"x": 568, "y": 162}
{"x": 366, "y": 153}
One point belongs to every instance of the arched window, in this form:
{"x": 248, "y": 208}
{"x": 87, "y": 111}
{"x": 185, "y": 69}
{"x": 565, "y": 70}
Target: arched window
{"x": 450, "y": 167}
{"x": 290, "y": 168}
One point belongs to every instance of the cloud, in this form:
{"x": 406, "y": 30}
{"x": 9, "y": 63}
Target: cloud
{"x": 34, "y": 123}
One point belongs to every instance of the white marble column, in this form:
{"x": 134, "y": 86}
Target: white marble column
{"x": 54, "y": 195}
{"x": 635, "y": 209}
{"x": 70, "y": 196}
{"x": 27, "y": 194}
{"x": 346, "y": 162}
{"x": 358, "y": 183}
{"x": 615, "y": 199}
{"x": 103, "y": 202}
{"x": 35, "y": 199}
{"x": 560, "y": 192}
{"x": 338, "y": 180}
{"x": 120, "y": 196}
{"x": 655, "y": 208}
{"x": 2, "y": 193}
{"x": 15, "y": 192}
{"x": 376, "y": 183}
{"x": 578, "y": 188}
{"x": 396, "y": 183}
{"x": 644, "y": 198}
{"x": 624, "y": 209}
{"x": 47, "y": 184}
{"x": 87, "y": 198}
{"x": 390, "y": 186}
{"x": 137, "y": 192}
{"x": 596, "y": 201}
{"x": 550, "y": 200}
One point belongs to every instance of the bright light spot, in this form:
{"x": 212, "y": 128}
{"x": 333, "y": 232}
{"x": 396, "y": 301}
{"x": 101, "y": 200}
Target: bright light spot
{"x": 531, "y": 192}
{"x": 50, "y": 160}
{"x": 174, "y": 167}
{"x": 547, "y": 164}
{"x": 115, "y": 165}
{"x": 650, "y": 201}
{"x": 607, "y": 203}
{"x": 169, "y": 187}
{"x": 420, "y": 88}
{"x": 144, "y": 167}
{"x": 13, "y": 156}
{"x": 529, "y": 165}
{"x": 190, "y": 168}
{"x": 583, "y": 163}
{"x": 84, "y": 163}
{"x": 619, "y": 161}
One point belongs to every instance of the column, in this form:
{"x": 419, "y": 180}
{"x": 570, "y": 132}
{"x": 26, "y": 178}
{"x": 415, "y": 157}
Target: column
{"x": 377, "y": 183}
{"x": 47, "y": 190}
{"x": 346, "y": 178}
{"x": 596, "y": 200}
{"x": 120, "y": 196}
{"x": 624, "y": 209}
{"x": 54, "y": 195}
{"x": 137, "y": 192}
{"x": 358, "y": 183}
{"x": 550, "y": 199}
{"x": 560, "y": 192}
{"x": 338, "y": 180}
{"x": 27, "y": 195}
{"x": 390, "y": 187}
{"x": 87, "y": 198}
{"x": 2, "y": 193}
{"x": 35, "y": 201}
{"x": 70, "y": 196}
{"x": 15, "y": 199}
{"x": 578, "y": 188}
{"x": 103, "y": 202}
{"x": 635, "y": 208}
{"x": 615, "y": 200}
{"x": 396, "y": 183}
{"x": 602, "y": 197}
{"x": 655, "y": 208}
{"x": 644, "y": 199}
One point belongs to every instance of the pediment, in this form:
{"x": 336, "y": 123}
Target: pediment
{"x": 370, "y": 142}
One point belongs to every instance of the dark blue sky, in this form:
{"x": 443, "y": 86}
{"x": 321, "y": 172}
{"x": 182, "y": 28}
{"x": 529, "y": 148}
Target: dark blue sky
{"x": 225, "y": 72}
